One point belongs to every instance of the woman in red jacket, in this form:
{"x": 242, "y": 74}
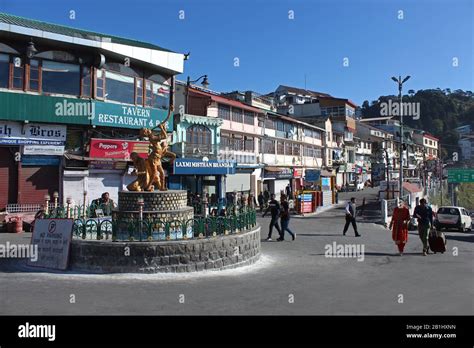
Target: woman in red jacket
{"x": 399, "y": 226}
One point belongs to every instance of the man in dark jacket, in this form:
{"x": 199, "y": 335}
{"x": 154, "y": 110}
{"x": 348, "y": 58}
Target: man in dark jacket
{"x": 424, "y": 214}
{"x": 351, "y": 217}
{"x": 261, "y": 201}
{"x": 274, "y": 208}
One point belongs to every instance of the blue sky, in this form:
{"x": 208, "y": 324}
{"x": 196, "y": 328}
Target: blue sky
{"x": 273, "y": 49}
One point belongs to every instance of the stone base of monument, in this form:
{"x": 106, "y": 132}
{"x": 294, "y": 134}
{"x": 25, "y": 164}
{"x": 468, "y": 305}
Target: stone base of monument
{"x": 216, "y": 253}
{"x": 163, "y": 240}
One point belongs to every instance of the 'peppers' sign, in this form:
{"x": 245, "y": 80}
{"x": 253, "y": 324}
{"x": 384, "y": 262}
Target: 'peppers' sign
{"x": 118, "y": 149}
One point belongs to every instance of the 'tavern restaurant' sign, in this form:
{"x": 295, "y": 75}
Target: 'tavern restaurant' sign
{"x": 198, "y": 167}
{"x": 128, "y": 116}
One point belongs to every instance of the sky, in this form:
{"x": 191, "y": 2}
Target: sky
{"x": 347, "y": 48}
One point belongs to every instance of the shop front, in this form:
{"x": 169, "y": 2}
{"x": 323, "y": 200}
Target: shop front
{"x": 200, "y": 177}
{"x": 30, "y": 158}
{"x": 276, "y": 179}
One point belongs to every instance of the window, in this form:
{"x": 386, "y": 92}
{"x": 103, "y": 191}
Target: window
{"x": 198, "y": 135}
{"x": 317, "y": 152}
{"x": 308, "y": 132}
{"x": 249, "y": 118}
{"x": 296, "y": 149}
{"x": 223, "y": 111}
{"x": 34, "y": 75}
{"x": 100, "y": 84}
{"x": 237, "y": 115}
{"x": 249, "y": 144}
{"x": 149, "y": 96}
{"x": 280, "y": 148}
{"x": 288, "y": 127}
{"x": 18, "y": 72}
{"x": 279, "y": 126}
{"x": 308, "y": 151}
{"x": 62, "y": 78}
{"x": 317, "y": 135}
{"x": 269, "y": 124}
{"x": 4, "y": 70}
{"x": 139, "y": 91}
{"x": 120, "y": 88}
{"x": 86, "y": 81}
{"x": 269, "y": 146}
{"x": 161, "y": 92}
{"x": 288, "y": 149}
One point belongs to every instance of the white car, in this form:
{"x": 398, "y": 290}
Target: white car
{"x": 453, "y": 217}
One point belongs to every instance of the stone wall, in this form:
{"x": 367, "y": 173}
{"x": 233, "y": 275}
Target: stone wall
{"x": 153, "y": 201}
{"x": 175, "y": 256}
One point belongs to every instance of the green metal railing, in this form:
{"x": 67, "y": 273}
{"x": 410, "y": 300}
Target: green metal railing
{"x": 134, "y": 229}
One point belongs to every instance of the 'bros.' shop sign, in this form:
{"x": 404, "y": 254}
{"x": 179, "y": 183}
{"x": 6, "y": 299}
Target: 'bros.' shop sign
{"x": 117, "y": 149}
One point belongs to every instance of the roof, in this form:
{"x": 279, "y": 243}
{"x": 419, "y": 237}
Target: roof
{"x": 227, "y": 101}
{"x": 376, "y": 119}
{"x": 304, "y": 91}
{"x": 348, "y": 101}
{"x": 428, "y": 135}
{"x": 73, "y": 32}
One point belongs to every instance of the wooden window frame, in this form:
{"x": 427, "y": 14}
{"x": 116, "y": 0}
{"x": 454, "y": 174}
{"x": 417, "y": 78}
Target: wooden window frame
{"x": 81, "y": 81}
{"x": 11, "y": 77}
{"x": 103, "y": 84}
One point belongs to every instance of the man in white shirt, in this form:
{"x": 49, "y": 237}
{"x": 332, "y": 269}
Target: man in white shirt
{"x": 350, "y": 217}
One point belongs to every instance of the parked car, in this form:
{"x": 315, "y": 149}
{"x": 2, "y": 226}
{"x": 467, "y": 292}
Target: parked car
{"x": 413, "y": 224}
{"x": 453, "y": 218}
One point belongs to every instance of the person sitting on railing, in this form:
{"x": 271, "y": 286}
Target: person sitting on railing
{"x": 106, "y": 204}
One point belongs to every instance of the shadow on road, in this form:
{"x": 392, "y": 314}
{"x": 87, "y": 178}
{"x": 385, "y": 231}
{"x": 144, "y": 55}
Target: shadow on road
{"x": 467, "y": 238}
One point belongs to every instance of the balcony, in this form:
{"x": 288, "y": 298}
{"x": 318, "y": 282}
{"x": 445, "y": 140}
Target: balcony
{"x": 190, "y": 150}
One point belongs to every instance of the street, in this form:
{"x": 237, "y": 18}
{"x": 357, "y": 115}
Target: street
{"x": 291, "y": 278}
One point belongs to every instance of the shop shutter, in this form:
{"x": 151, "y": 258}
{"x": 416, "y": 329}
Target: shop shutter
{"x": 99, "y": 183}
{"x": 36, "y": 182}
{"x": 237, "y": 182}
{"x": 73, "y": 188}
{"x": 8, "y": 177}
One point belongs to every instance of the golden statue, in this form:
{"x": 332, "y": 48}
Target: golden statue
{"x": 150, "y": 171}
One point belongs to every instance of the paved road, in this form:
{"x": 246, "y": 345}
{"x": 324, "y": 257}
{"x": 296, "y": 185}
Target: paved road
{"x": 299, "y": 270}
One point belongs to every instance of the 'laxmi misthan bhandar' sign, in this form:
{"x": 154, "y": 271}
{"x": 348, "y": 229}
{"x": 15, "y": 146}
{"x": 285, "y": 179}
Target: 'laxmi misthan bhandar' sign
{"x": 184, "y": 166}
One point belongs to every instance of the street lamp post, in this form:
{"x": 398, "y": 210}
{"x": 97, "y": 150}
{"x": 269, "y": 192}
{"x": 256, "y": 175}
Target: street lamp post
{"x": 204, "y": 83}
{"x": 400, "y": 86}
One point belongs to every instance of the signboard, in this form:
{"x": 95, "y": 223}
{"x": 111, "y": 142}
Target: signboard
{"x": 53, "y": 238}
{"x": 30, "y": 160}
{"x": 12, "y": 133}
{"x": 312, "y": 175}
{"x": 326, "y": 184}
{"x": 460, "y": 175}
{"x": 129, "y": 116}
{"x": 297, "y": 172}
{"x": 306, "y": 203}
{"x": 118, "y": 149}
{"x": 52, "y": 150}
{"x": 184, "y": 166}
{"x": 282, "y": 173}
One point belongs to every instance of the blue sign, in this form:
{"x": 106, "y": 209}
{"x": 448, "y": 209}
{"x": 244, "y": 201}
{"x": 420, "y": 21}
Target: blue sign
{"x": 40, "y": 160}
{"x": 185, "y": 166}
{"x": 312, "y": 175}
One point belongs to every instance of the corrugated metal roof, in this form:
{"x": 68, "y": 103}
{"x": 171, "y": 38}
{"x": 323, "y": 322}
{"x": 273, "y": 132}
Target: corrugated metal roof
{"x": 73, "y": 32}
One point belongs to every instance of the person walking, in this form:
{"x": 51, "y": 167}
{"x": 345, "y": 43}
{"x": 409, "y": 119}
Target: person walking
{"x": 424, "y": 215}
{"x": 351, "y": 217}
{"x": 274, "y": 208}
{"x": 399, "y": 226}
{"x": 285, "y": 218}
{"x": 261, "y": 201}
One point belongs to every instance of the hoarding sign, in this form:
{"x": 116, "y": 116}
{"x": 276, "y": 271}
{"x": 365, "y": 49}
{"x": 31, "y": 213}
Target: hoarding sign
{"x": 53, "y": 239}
{"x": 129, "y": 116}
{"x": 13, "y": 133}
{"x": 460, "y": 175}
{"x": 312, "y": 175}
{"x": 184, "y": 166}
{"x": 118, "y": 149}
